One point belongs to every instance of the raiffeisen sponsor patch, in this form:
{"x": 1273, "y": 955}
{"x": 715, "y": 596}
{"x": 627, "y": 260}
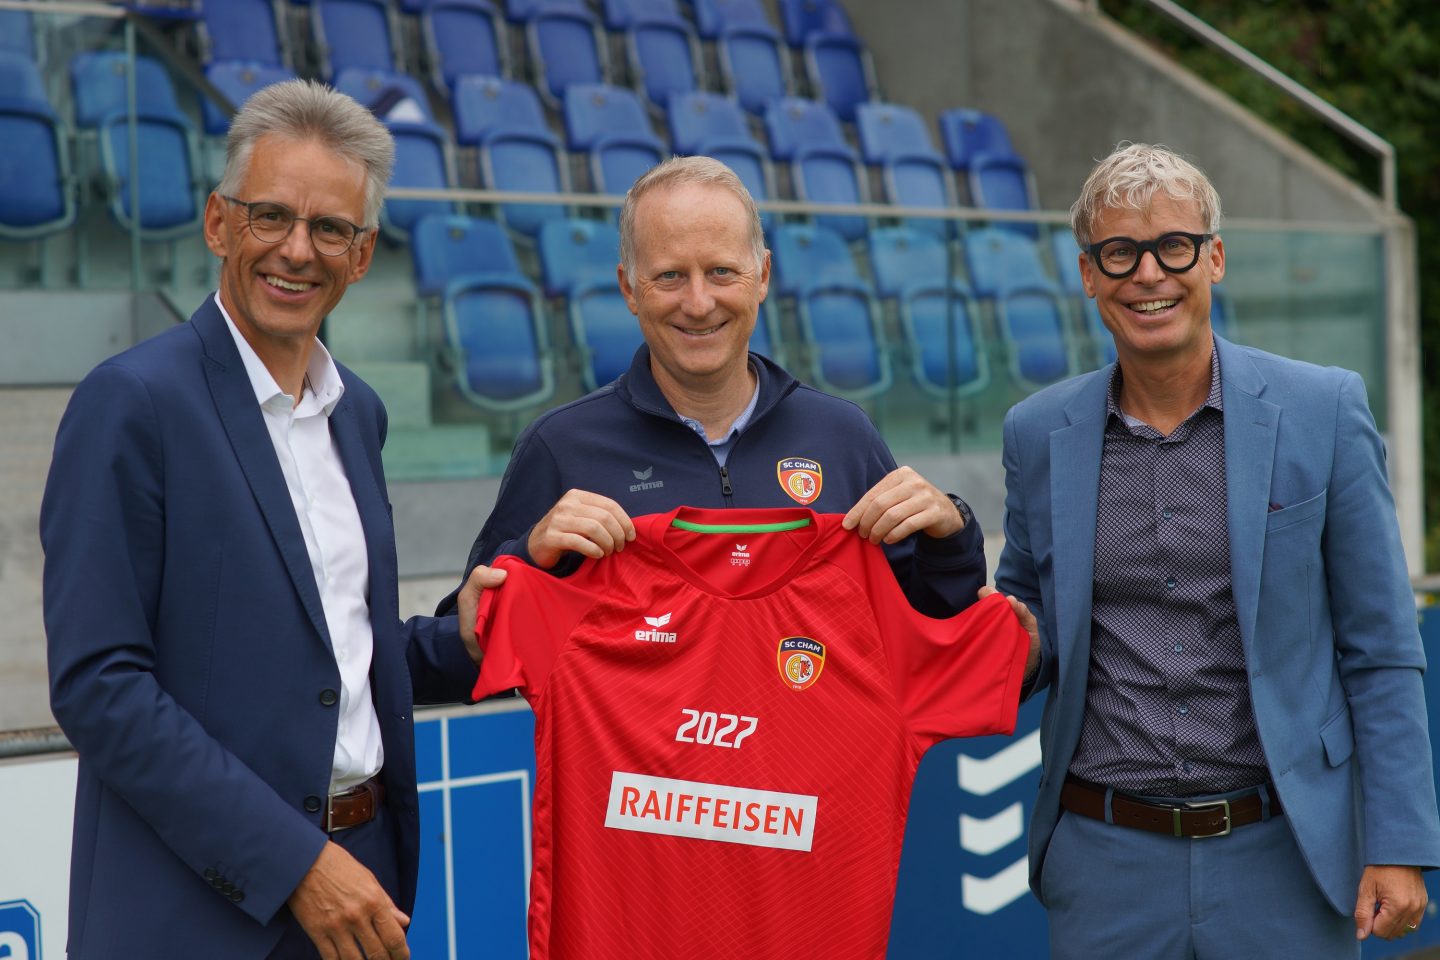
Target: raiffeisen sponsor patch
{"x": 710, "y": 811}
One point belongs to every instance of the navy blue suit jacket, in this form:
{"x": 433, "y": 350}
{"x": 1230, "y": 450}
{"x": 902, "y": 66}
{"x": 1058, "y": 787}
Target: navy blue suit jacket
{"x": 1326, "y": 614}
{"x": 190, "y": 663}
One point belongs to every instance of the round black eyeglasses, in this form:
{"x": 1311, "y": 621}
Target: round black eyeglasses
{"x": 1118, "y": 257}
{"x": 272, "y": 222}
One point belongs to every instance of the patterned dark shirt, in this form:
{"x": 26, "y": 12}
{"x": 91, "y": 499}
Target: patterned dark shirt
{"x": 1167, "y": 706}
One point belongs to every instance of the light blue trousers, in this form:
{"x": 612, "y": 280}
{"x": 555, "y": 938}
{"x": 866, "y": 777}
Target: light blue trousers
{"x": 1117, "y": 892}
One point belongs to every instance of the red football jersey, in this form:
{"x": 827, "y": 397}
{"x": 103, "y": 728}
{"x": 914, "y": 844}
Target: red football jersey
{"x": 728, "y": 718}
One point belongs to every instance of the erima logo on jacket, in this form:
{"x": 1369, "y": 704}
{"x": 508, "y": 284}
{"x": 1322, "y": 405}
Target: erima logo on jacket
{"x": 645, "y": 482}
{"x": 654, "y": 635}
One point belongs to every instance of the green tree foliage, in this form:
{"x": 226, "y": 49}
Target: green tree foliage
{"x": 1377, "y": 60}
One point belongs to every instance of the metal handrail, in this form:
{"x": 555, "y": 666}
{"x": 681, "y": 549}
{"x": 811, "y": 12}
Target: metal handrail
{"x": 1322, "y": 108}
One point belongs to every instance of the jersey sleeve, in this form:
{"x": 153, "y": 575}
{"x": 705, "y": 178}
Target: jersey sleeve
{"x": 958, "y": 677}
{"x": 522, "y": 624}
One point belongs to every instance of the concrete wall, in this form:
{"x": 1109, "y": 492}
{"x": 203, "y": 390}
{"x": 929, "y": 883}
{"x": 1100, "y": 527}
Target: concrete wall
{"x": 1070, "y": 85}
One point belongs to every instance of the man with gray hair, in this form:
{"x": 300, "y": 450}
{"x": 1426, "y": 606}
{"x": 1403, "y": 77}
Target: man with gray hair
{"x": 1236, "y": 760}
{"x": 221, "y": 607}
{"x": 698, "y": 420}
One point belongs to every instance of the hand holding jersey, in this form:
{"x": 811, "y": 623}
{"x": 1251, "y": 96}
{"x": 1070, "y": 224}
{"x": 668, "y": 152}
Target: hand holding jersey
{"x": 1032, "y": 627}
{"x": 901, "y": 504}
{"x": 596, "y": 526}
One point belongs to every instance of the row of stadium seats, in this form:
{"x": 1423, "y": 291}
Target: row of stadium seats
{"x": 565, "y": 42}
{"x": 496, "y": 335}
{"x": 605, "y": 127}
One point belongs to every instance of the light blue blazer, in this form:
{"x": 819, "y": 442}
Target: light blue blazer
{"x": 1327, "y": 616}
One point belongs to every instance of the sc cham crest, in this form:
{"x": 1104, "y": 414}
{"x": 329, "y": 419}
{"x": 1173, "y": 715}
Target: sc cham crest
{"x": 800, "y": 660}
{"x": 800, "y": 479}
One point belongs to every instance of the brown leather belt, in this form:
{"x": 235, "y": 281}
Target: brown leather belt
{"x": 1204, "y": 818}
{"x": 355, "y": 806}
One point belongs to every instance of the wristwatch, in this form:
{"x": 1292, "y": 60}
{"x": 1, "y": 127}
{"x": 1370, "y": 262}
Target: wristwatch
{"x": 966, "y": 514}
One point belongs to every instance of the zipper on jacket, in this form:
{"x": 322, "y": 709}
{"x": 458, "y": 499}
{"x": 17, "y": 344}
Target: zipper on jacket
{"x": 725, "y": 487}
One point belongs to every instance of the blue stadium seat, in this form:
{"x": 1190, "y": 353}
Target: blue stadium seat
{"x": 243, "y": 30}
{"x": 840, "y": 71}
{"x": 609, "y": 125}
{"x": 663, "y": 55}
{"x": 965, "y": 133}
{"x": 604, "y": 329}
{"x": 754, "y": 64}
{"x": 17, "y": 33}
{"x": 698, "y": 119}
{"x": 1000, "y": 182}
{"x": 1005, "y": 267}
{"x": 1067, "y": 263}
{"x": 495, "y": 325}
{"x": 168, "y": 180}
{"x": 997, "y": 257}
{"x": 913, "y": 267}
{"x": 97, "y": 81}
{"x": 446, "y": 247}
{"x": 171, "y": 201}
{"x": 995, "y": 175}
{"x": 463, "y": 38}
{"x": 895, "y": 139}
{"x": 369, "y": 86}
{"x": 574, "y": 252}
{"x": 712, "y": 17}
{"x": 524, "y": 161}
{"x": 37, "y": 195}
{"x": 835, "y": 308}
{"x": 708, "y": 124}
{"x": 903, "y": 257}
{"x": 824, "y": 168}
{"x": 802, "y": 254}
{"x": 566, "y": 48}
{"x": 353, "y": 33}
{"x": 805, "y": 17}
{"x": 238, "y": 81}
{"x": 624, "y": 14}
{"x": 484, "y": 105}
{"x": 422, "y": 159}
{"x": 20, "y": 79}
{"x": 947, "y": 356}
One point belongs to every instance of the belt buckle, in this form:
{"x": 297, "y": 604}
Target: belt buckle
{"x": 1204, "y": 805}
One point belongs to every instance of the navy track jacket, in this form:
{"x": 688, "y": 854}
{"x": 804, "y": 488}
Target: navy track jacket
{"x": 626, "y": 442}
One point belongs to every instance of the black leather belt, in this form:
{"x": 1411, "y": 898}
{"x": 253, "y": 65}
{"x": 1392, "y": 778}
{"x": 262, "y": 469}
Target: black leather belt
{"x": 1202, "y": 818}
{"x": 355, "y": 806}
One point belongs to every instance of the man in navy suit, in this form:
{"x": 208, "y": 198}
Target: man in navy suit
{"x": 1236, "y": 759}
{"x": 225, "y": 648}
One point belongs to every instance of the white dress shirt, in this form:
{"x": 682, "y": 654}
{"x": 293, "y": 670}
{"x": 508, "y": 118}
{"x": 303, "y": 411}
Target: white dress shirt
{"x": 334, "y": 539}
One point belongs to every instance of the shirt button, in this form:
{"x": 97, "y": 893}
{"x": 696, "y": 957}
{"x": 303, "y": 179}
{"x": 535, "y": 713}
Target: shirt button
{"x": 1182, "y": 710}
{"x": 1167, "y": 513}
{"x": 328, "y": 697}
{"x": 1170, "y": 584}
{"x": 1185, "y": 766}
{"x": 1179, "y": 648}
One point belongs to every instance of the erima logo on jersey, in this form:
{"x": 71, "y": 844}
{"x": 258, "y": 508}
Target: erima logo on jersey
{"x": 645, "y": 482}
{"x": 740, "y": 556}
{"x": 654, "y": 634}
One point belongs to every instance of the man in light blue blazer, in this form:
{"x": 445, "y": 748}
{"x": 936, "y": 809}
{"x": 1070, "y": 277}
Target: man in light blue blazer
{"x": 1236, "y": 760}
{"x": 225, "y": 648}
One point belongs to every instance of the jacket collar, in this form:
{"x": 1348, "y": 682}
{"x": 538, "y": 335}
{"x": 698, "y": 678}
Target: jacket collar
{"x": 244, "y": 424}
{"x": 638, "y": 388}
